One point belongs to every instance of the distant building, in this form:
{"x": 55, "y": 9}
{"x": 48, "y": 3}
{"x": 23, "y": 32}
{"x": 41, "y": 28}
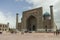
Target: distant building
{"x": 4, "y": 27}
{"x": 35, "y": 20}
{"x": 12, "y": 30}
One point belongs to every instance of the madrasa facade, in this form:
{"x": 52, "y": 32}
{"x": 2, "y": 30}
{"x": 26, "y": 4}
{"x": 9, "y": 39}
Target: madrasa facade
{"x": 35, "y": 20}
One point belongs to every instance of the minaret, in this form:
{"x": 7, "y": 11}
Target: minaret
{"x": 52, "y": 17}
{"x": 8, "y": 26}
{"x": 17, "y": 21}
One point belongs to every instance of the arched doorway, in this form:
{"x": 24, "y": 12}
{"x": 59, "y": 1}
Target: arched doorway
{"x": 31, "y": 23}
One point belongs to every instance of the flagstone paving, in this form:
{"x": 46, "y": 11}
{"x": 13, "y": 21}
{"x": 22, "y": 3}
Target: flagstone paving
{"x": 29, "y": 36}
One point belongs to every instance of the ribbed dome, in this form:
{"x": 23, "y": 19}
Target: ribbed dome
{"x": 46, "y": 14}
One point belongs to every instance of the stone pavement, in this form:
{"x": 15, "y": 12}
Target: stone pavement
{"x": 29, "y": 36}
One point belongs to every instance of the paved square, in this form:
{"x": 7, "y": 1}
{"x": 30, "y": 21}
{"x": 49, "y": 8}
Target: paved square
{"x": 29, "y": 36}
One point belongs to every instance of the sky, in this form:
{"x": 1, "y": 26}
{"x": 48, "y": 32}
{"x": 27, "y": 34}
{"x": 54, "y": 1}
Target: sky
{"x": 9, "y": 8}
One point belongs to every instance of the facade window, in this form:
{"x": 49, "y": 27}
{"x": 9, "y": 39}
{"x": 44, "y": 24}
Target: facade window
{"x": 3, "y": 26}
{"x": 0, "y": 25}
{"x": 3, "y": 29}
{"x": 0, "y": 29}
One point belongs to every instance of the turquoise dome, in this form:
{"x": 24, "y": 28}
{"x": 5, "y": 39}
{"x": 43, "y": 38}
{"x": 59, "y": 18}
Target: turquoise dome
{"x": 46, "y": 14}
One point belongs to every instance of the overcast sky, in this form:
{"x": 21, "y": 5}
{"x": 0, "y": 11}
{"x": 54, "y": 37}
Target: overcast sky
{"x": 9, "y": 8}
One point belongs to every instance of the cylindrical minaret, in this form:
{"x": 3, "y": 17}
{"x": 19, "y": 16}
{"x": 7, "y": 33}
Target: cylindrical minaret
{"x": 52, "y": 17}
{"x": 17, "y": 21}
{"x": 8, "y": 26}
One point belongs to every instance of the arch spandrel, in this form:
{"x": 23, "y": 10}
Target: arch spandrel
{"x": 30, "y": 16}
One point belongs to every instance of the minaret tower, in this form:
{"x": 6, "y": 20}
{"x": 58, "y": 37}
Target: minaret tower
{"x": 17, "y": 21}
{"x": 8, "y": 26}
{"x": 52, "y": 17}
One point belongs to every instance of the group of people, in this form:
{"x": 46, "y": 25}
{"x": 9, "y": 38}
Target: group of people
{"x": 57, "y": 32}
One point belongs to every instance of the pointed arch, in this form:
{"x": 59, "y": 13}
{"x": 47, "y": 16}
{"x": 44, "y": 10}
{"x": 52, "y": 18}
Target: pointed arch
{"x": 31, "y": 23}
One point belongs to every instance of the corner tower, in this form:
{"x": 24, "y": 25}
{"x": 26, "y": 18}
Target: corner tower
{"x": 17, "y": 21}
{"x": 52, "y": 18}
{"x": 51, "y": 11}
